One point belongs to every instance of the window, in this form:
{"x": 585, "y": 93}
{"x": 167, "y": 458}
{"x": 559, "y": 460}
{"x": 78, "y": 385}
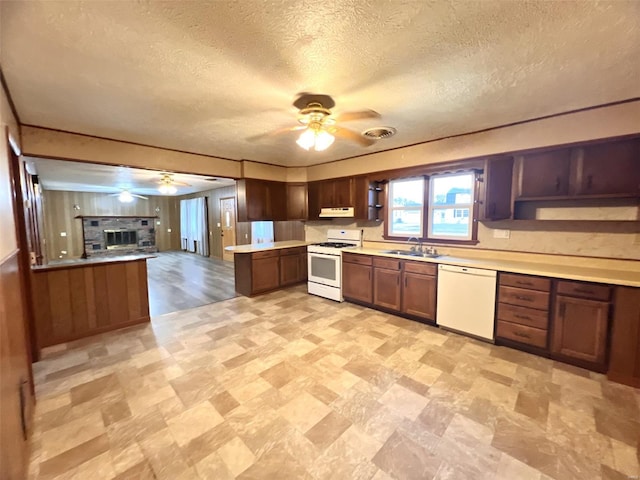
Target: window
{"x": 262, "y": 232}
{"x": 406, "y": 208}
{"x": 451, "y": 206}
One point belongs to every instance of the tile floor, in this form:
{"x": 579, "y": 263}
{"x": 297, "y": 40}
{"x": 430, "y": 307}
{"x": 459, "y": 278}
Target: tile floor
{"x": 291, "y": 386}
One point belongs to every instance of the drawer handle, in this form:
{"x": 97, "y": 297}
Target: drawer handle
{"x": 520, "y": 282}
{"x": 523, "y": 335}
{"x": 583, "y": 290}
{"x": 523, "y": 298}
{"x": 523, "y": 317}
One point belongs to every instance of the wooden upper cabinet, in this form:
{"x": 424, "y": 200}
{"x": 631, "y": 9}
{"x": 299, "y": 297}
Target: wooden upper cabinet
{"x": 337, "y": 192}
{"x": 297, "y": 201}
{"x": 544, "y": 174}
{"x": 261, "y": 200}
{"x": 496, "y": 195}
{"x": 609, "y": 169}
{"x": 313, "y": 197}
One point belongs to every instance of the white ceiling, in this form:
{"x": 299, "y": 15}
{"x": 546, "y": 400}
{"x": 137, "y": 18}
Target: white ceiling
{"x": 204, "y": 76}
{"x": 90, "y": 177}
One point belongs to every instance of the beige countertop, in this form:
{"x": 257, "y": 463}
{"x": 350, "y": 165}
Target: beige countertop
{"x": 259, "y": 247}
{"x": 599, "y": 275}
{"x": 88, "y": 262}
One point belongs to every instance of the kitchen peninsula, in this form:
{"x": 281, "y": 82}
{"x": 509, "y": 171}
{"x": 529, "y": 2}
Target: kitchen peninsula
{"x": 262, "y": 267}
{"x": 78, "y": 298}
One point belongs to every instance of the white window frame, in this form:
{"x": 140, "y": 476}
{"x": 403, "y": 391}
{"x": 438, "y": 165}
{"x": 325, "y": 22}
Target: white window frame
{"x": 458, "y": 206}
{"x": 391, "y": 209}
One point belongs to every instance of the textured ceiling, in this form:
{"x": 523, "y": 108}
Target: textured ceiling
{"x": 90, "y": 177}
{"x": 205, "y": 76}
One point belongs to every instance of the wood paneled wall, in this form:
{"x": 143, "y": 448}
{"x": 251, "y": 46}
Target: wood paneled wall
{"x": 16, "y": 402}
{"x": 59, "y": 216}
{"x": 73, "y": 302}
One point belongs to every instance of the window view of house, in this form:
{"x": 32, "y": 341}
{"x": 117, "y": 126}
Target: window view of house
{"x": 406, "y": 200}
{"x": 451, "y": 206}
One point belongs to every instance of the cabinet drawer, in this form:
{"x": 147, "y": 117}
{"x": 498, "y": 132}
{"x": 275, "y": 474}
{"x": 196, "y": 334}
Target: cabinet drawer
{"x": 525, "y": 281}
{"x": 523, "y": 316}
{"x": 420, "y": 267}
{"x": 265, "y": 254}
{"x": 355, "y": 258}
{"x": 387, "y": 263}
{"x": 293, "y": 251}
{"x": 591, "y": 291}
{"x": 524, "y": 298}
{"x": 522, "y": 334}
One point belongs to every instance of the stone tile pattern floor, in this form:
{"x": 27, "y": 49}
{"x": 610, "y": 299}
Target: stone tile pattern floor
{"x": 292, "y": 386}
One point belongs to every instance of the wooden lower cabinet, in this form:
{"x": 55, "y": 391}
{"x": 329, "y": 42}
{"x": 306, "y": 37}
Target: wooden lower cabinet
{"x": 419, "y": 290}
{"x": 386, "y": 288}
{"x": 264, "y": 271}
{"x": 357, "y": 282}
{"x": 404, "y": 287}
{"x": 580, "y": 329}
{"x": 624, "y": 362}
{"x": 265, "y": 274}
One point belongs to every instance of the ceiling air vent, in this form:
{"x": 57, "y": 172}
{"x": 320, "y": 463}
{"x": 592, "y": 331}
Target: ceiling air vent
{"x": 211, "y": 179}
{"x": 380, "y": 132}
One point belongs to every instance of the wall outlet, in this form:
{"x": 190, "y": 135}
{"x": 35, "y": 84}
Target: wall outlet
{"x": 168, "y": 230}
{"x": 63, "y": 252}
{"x": 63, "y": 234}
{"x": 246, "y": 235}
{"x": 218, "y": 224}
{"x": 498, "y": 233}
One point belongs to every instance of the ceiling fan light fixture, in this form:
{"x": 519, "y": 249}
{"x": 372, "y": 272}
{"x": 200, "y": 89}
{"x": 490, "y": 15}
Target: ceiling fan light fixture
{"x": 315, "y": 138}
{"x": 125, "y": 197}
{"x": 323, "y": 140}
{"x": 167, "y": 189}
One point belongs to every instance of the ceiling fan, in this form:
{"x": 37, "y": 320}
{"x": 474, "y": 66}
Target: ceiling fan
{"x": 320, "y": 126}
{"x": 168, "y": 184}
{"x": 125, "y": 196}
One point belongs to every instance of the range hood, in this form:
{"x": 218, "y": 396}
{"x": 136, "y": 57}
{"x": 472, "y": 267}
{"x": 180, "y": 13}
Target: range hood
{"x": 339, "y": 212}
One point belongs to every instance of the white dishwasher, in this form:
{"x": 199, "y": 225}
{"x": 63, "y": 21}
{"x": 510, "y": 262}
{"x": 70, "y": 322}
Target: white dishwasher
{"x": 466, "y": 300}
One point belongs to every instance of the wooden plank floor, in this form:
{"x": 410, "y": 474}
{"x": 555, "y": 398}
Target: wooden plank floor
{"x": 181, "y": 280}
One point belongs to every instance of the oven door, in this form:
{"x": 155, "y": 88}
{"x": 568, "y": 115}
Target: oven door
{"x": 325, "y": 269}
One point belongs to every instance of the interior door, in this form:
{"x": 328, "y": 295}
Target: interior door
{"x": 228, "y": 225}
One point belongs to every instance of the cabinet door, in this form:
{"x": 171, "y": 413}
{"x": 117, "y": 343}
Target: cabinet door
{"x": 296, "y": 201}
{"x": 580, "y": 329}
{"x": 498, "y": 177}
{"x": 419, "y": 295}
{"x": 265, "y": 274}
{"x": 610, "y": 169}
{"x": 327, "y": 194}
{"x": 289, "y": 269}
{"x": 544, "y": 174}
{"x": 313, "y": 199}
{"x": 257, "y": 198}
{"x": 357, "y": 282}
{"x": 386, "y": 288}
{"x": 343, "y": 192}
{"x": 302, "y": 269}
{"x": 276, "y": 201}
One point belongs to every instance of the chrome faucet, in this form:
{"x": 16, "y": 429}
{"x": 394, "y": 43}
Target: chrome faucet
{"x": 418, "y": 247}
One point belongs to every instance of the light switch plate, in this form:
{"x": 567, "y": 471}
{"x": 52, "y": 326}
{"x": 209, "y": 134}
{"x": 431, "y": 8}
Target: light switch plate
{"x": 499, "y": 233}
{"x": 63, "y": 234}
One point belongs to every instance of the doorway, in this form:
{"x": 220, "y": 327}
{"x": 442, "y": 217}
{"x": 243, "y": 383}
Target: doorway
{"x": 228, "y": 225}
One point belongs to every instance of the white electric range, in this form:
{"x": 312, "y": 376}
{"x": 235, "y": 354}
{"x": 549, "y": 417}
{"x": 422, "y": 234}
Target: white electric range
{"x": 325, "y": 262}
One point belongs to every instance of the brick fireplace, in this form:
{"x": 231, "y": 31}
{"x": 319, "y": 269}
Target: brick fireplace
{"x": 113, "y": 236}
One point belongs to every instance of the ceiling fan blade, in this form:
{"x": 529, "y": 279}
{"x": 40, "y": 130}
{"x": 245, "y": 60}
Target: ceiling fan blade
{"x": 351, "y": 135}
{"x": 139, "y": 196}
{"x": 348, "y": 116}
{"x": 275, "y": 132}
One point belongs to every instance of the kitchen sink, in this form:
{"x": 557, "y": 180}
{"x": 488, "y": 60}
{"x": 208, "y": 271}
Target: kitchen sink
{"x": 409, "y": 253}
